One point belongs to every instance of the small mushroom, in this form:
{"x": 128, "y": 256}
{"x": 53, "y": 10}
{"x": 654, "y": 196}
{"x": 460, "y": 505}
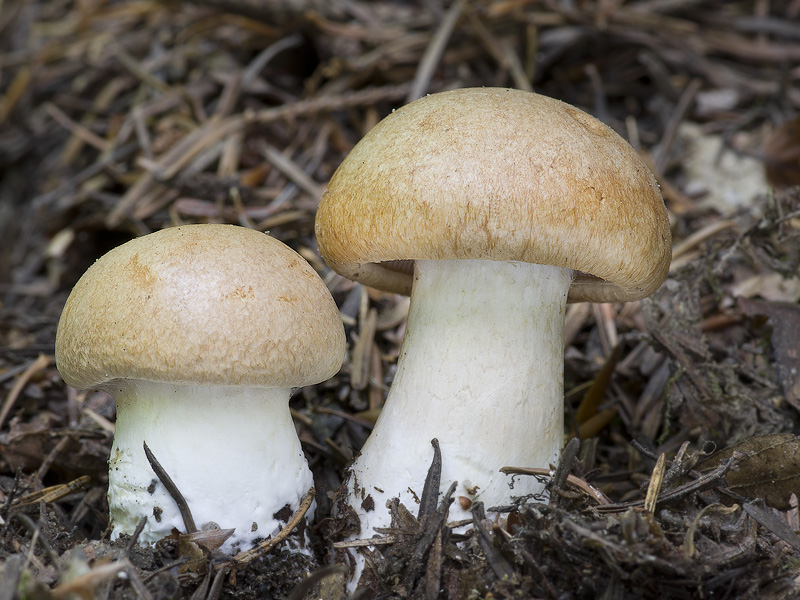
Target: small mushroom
{"x": 508, "y": 203}
{"x": 200, "y": 332}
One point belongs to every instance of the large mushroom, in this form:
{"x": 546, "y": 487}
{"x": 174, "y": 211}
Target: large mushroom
{"x": 509, "y": 204}
{"x": 200, "y": 332}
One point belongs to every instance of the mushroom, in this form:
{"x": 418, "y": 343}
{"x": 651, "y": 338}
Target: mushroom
{"x": 509, "y": 204}
{"x": 200, "y": 332}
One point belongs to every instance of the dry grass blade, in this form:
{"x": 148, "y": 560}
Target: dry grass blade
{"x": 431, "y": 527}
{"x": 174, "y": 492}
{"x": 773, "y": 523}
{"x": 39, "y": 536}
{"x": 685, "y": 247}
{"x": 37, "y": 365}
{"x": 498, "y": 563}
{"x": 293, "y": 172}
{"x": 576, "y": 482}
{"x": 12, "y": 572}
{"x": 304, "y": 587}
{"x": 248, "y": 555}
{"x": 319, "y": 104}
{"x": 689, "y": 548}
{"x": 216, "y": 586}
{"x": 594, "y": 395}
{"x": 84, "y": 585}
{"x": 362, "y": 351}
{"x": 434, "y": 52}
{"x": 386, "y": 540}
{"x": 708, "y": 480}
{"x": 430, "y": 492}
{"x": 51, "y": 494}
{"x": 654, "y": 487}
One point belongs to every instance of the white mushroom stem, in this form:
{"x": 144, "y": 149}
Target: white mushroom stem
{"x": 481, "y": 370}
{"x": 233, "y": 453}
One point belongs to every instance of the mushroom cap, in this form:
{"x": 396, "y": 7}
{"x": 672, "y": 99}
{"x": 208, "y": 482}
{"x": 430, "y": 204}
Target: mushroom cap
{"x": 200, "y": 304}
{"x": 496, "y": 174}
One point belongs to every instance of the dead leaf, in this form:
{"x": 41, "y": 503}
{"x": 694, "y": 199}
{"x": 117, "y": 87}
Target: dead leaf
{"x": 594, "y": 396}
{"x": 782, "y": 154}
{"x": 773, "y": 523}
{"x": 768, "y": 467}
{"x": 27, "y": 443}
{"x": 785, "y": 320}
{"x": 769, "y": 286}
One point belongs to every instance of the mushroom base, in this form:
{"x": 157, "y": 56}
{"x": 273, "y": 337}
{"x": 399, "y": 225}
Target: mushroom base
{"x": 480, "y": 369}
{"x": 232, "y": 452}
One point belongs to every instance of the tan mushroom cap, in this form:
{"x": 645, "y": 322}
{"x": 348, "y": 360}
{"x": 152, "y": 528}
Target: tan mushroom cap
{"x": 200, "y": 304}
{"x": 496, "y": 174}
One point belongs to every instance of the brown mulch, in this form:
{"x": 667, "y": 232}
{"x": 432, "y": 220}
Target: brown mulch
{"x": 121, "y": 118}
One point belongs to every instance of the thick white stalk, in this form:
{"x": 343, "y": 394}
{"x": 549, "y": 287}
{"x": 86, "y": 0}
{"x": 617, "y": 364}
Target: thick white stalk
{"x": 481, "y": 370}
{"x": 233, "y": 452}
